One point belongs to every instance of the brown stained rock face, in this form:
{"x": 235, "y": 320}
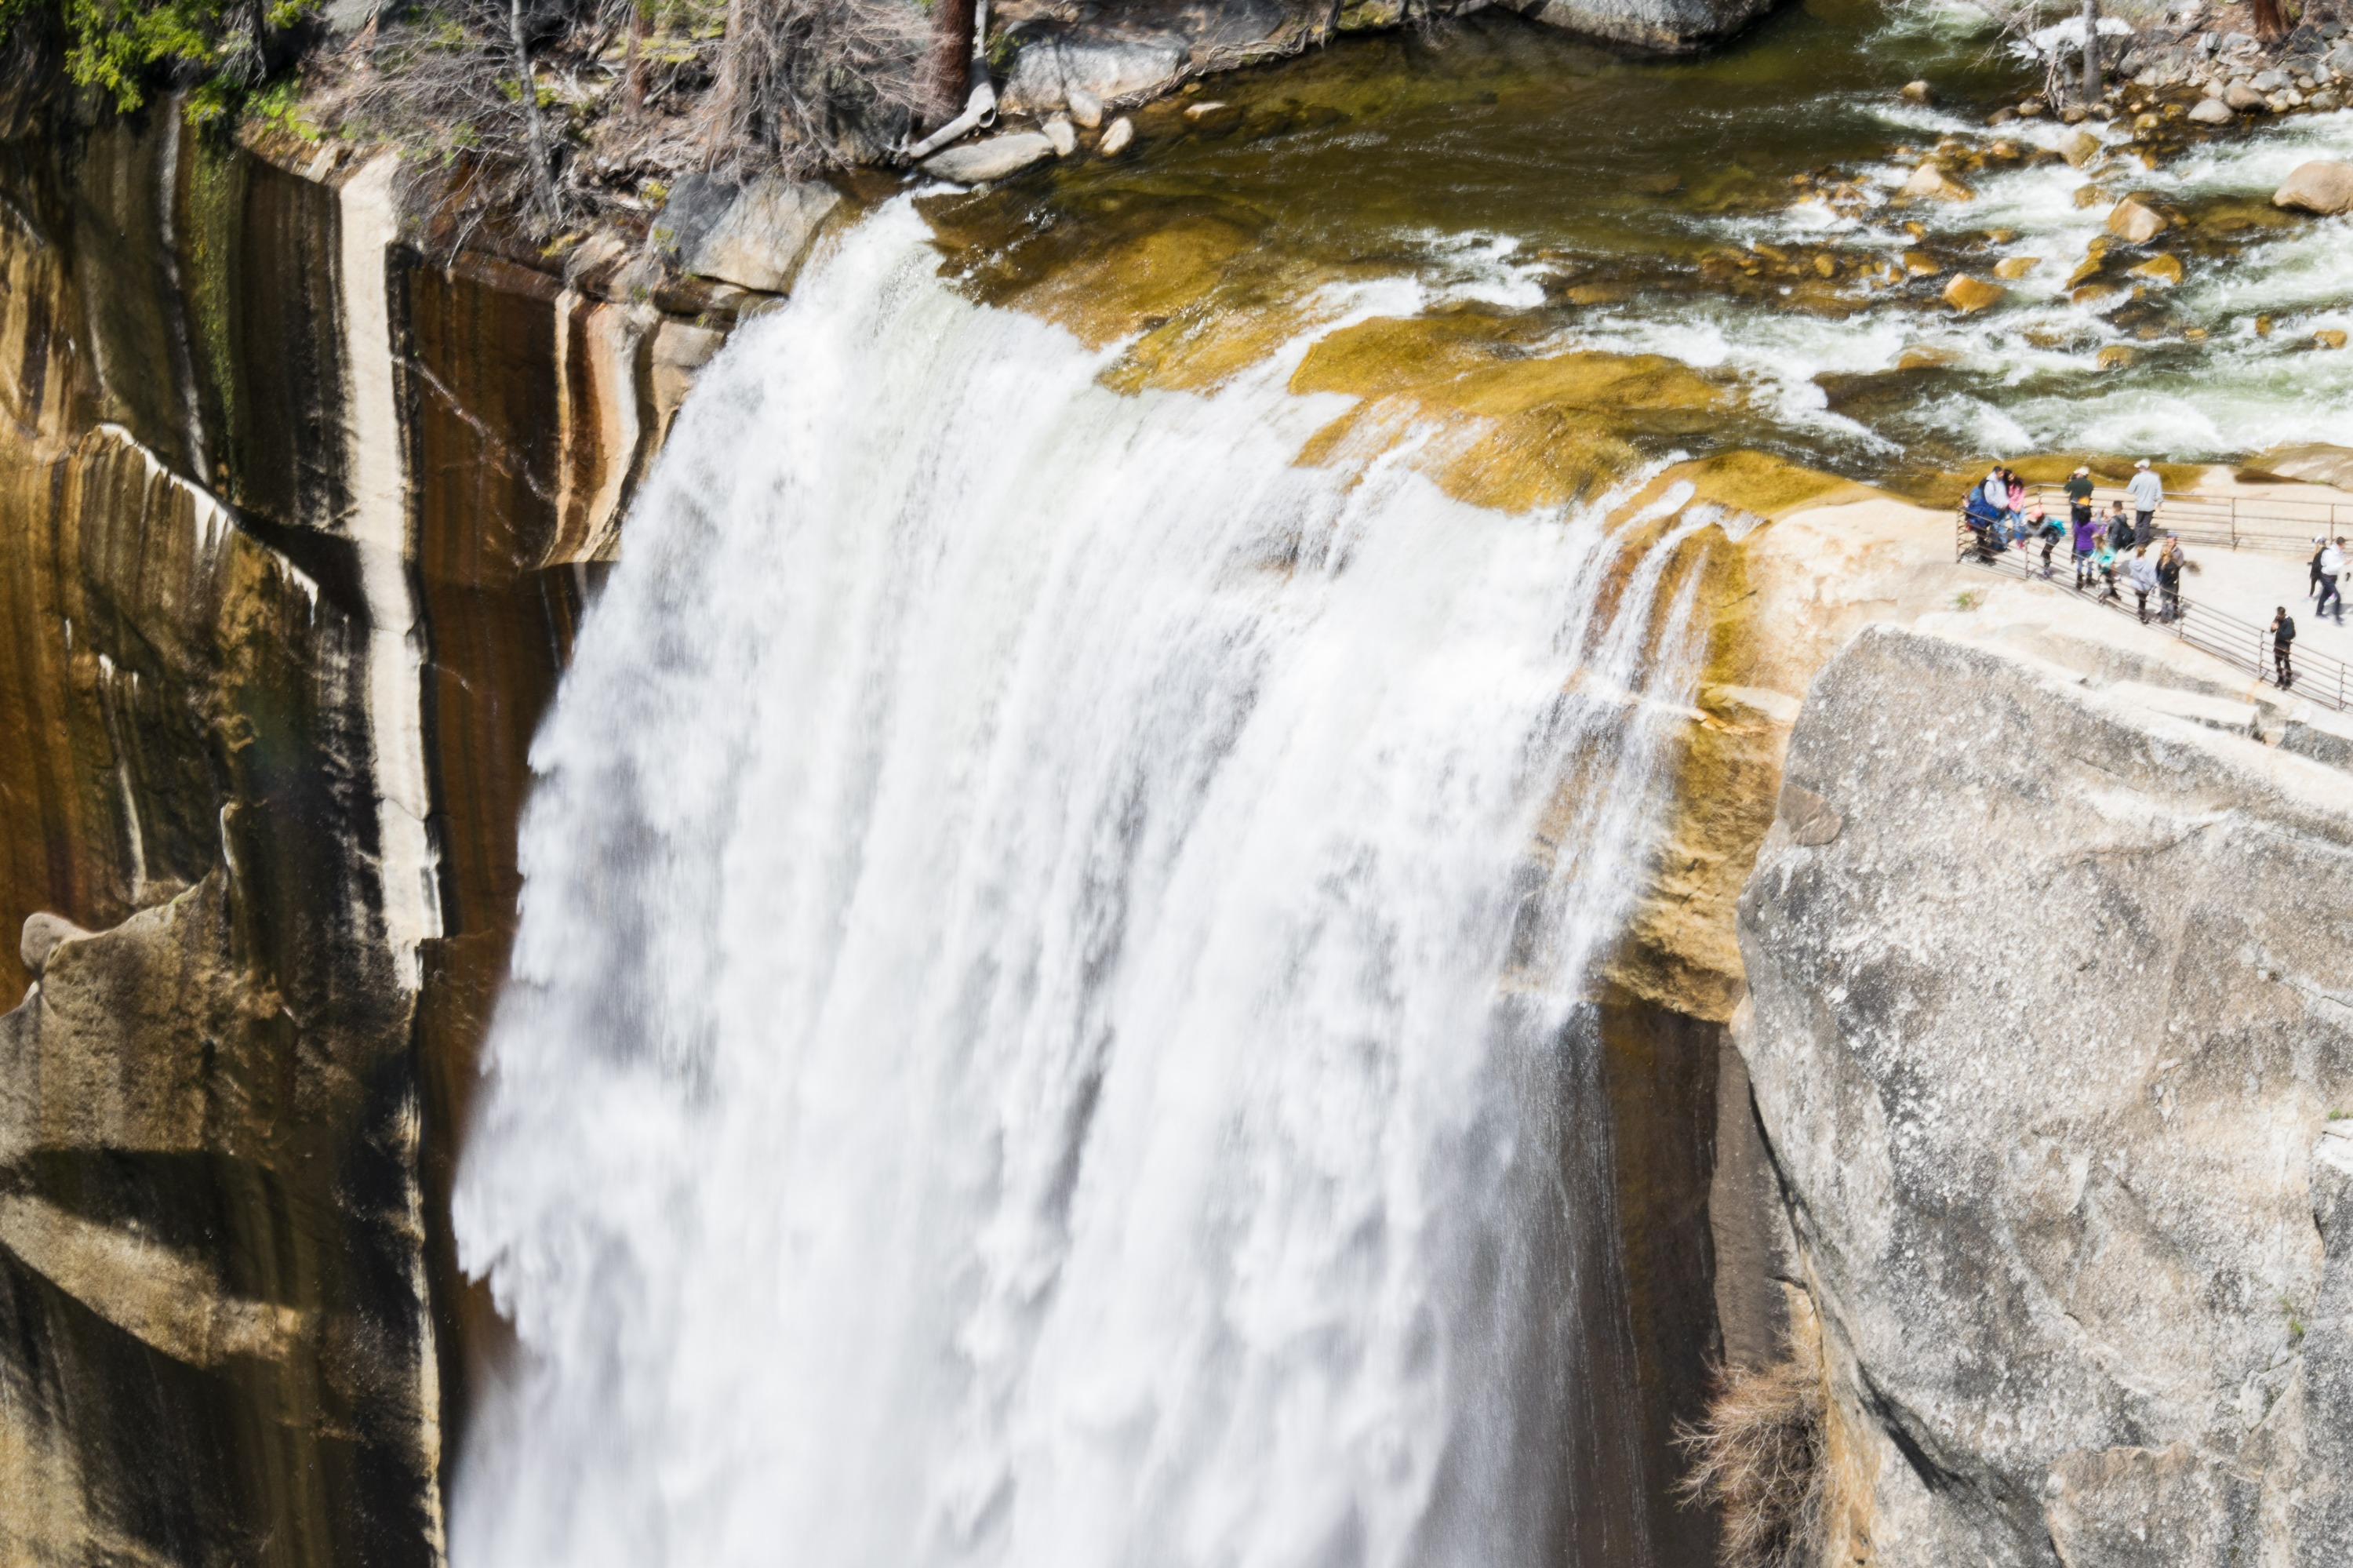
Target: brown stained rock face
{"x": 212, "y": 1193}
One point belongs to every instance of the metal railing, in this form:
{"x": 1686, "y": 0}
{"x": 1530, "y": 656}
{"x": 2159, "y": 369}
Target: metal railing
{"x": 2241, "y": 644}
{"x": 2233, "y": 522}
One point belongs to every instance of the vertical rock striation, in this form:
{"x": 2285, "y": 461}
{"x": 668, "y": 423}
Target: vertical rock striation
{"x": 294, "y": 525}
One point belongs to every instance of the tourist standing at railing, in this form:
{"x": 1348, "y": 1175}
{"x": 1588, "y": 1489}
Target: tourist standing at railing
{"x": 2169, "y": 578}
{"x": 2104, "y": 556}
{"x": 2142, "y": 570}
{"x": 2319, "y": 548}
{"x": 2283, "y": 647}
{"x": 2120, "y": 528}
{"x": 2079, "y": 495}
{"x": 2332, "y": 569}
{"x": 2148, "y": 493}
{"x": 2088, "y": 538}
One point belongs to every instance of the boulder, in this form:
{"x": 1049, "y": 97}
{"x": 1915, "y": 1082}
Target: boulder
{"x": 2079, "y": 147}
{"x": 2046, "y": 1038}
{"x": 1062, "y": 133}
{"x": 1086, "y": 109}
{"x": 2243, "y": 98}
{"x": 2115, "y": 357}
{"x": 1670, "y": 26}
{"x": 2159, "y": 269}
{"x": 2211, "y": 112}
{"x": 1929, "y": 181}
{"x": 995, "y": 158}
{"x": 2324, "y": 187}
{"x": 1918, "y": 92}
{"x": 1967, "y": 294}
{"x": 43, "y": 933}
{"x": 754, "y": 235}
{"x": 1115, "y": 139}
{"x": 1106, "y": 68}
{"x": 2329, "y": 337}
{"x": 2135, "y": 222}
{"x": 2009, "y": 268}
{"x": 1926, "y": 358}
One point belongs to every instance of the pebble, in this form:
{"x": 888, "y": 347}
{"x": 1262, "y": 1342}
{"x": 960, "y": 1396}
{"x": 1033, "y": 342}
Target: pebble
{"x": 1116, "y": 137}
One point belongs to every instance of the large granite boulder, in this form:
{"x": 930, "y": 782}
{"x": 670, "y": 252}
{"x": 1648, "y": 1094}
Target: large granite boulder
{"x": 1670, "y": 26}
{"x": 2051, "y": 1028}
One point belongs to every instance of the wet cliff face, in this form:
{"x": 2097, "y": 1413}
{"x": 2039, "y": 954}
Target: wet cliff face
{"x": 294, "y": 525}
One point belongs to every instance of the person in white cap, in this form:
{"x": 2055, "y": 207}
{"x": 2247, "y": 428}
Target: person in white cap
{"x": 2148, "y": 493}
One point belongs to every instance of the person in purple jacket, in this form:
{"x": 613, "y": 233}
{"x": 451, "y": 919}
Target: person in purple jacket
{"x": 2087, "y": 537}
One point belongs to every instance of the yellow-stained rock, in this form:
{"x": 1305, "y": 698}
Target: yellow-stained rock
{"x": 2012, "y": 268}
{"x": 1967, "y": 294}
{"x": 1929, "y": 181}
{"x": 2329, "y": 337}
{"x": 2159, "y": 270}
{"x": 2135, "y": 222}
{"x": 1519, "y": 432}
{"x": 1924, "y": 358}
{"x": 1920, "y": 264}
{"x": 2117, "y": 356}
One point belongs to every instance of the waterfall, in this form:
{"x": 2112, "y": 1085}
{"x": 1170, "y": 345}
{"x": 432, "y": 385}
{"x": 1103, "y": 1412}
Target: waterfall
{"x": 1048, "y": 1023}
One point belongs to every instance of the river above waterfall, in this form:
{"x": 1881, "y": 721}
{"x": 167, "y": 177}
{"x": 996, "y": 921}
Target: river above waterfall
{"x": 1736, "y": 212}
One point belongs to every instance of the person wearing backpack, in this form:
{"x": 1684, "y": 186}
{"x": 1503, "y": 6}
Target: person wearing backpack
{"x": 2283, "y": 647}
{"x": 2120, "y": 529}
{"x": 2079, "y": 496}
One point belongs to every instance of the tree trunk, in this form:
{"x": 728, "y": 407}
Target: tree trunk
{"x": 948, "y": 78}
{"x": 543, "y": 178}
{"x": 2091, "y": 52}
{"x": 633, "y": 94}
{"x": 2270, "y": 19}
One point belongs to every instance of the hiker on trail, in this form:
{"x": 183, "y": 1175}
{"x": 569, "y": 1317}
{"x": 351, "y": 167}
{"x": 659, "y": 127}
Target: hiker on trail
{"x": 2332, "y": 569}
{"x": 2120, "y": 528}
{"x": 2079, "y": 496}
{"x": 2148, "y": 493}
{"x": 2142, "y": 570}
{"x": 2169, "y": 578}
{"x": 2104, "y": 558}
{"x": 2283, "y": 646}
{"x": 2087, "y": 536}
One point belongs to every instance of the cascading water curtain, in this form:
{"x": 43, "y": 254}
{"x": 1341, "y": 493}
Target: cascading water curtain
{"x": 1044, "y": 1031}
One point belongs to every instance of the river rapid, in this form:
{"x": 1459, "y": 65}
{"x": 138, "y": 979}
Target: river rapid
{"x": 1739, "y": 213}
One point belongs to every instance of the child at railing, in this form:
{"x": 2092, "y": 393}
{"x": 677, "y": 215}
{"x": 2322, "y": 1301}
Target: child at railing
{"x": 2103, "y": 559}
{"x": 2087, "y": 534}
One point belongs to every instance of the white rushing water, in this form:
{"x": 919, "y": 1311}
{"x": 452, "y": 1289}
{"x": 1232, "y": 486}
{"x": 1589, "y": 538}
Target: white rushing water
{"x": 1046, "y": 1028}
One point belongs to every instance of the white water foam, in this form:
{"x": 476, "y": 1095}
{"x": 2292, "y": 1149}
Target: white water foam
{"x": 1047, "y": 1025}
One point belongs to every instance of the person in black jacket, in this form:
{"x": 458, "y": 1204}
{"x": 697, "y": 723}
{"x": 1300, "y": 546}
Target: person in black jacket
{"x": 2319, "y": 548}
{"x": 2283, "y": 646}
{"x": 2168, "y": 579}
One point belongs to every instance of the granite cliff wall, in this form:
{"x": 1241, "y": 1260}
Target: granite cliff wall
{"x": 296, "y": 514}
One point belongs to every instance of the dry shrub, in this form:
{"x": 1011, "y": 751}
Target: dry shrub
{"x": 1758, "y": 1455}
{"x": 806, "y": 83}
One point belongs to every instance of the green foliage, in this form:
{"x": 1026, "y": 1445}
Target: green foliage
{"x": 118, "y": 49}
